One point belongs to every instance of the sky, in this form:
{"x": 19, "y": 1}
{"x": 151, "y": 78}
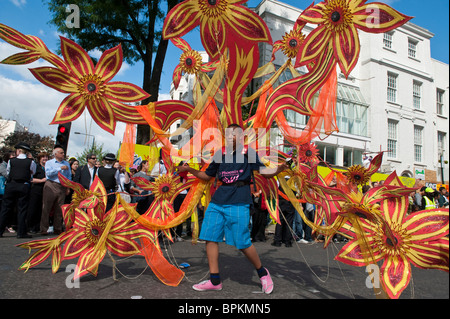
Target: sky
{"x": 33, "y": 104}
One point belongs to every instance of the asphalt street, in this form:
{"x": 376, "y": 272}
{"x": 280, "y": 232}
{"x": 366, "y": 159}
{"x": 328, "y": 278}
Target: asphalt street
{"x": 304, "y": 271}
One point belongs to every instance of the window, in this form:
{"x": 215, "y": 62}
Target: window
{"x": 351, "y": 111}
{"x": 392, "y": 139}
{"x": 327, "y": 153}
{"x": 440, "y": 102}
{"x": 418, "y": 140}
{"x": 352, "y": 157}
{"x": 392, "y": 87}
{"x": 387, "y": 40}
{"x": 417, "y": 92}
{"x": 441, "y": 142}
{"x": 412, "y": 48}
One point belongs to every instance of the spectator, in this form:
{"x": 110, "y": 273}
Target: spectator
{"x": 443, "y": 197}
{"x": 283, "y": 231}
{"x": 428, "y": 199}
{"x": 142, "y": 197}
{"x": 177, "y": 205}
{"x": 54, "y": 193}
{"x": 36, "y": 194}
{"x": 74, "y": 166}
{"x": 124, "y": 182}
{"x": 419, "y": 202}
{"x": 310, "y": 210}
{"x": 85, "y": 174}
{"x": 259, "y": 217}
{"x": 110, "y": 179}
{"x": 20, "y": 171}
{"x": 3, "y": 178}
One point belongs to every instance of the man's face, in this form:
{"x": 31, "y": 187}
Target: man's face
{"x": 59, "y": 154}
{"x": 232, "y": 136}
{"x": 91, "y": 160}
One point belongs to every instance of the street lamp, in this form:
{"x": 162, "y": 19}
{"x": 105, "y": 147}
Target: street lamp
{"x": 93, "y": 138}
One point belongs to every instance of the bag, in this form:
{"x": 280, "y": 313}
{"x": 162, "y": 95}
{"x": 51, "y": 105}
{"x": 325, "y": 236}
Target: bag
{"x": 2, "y": 185}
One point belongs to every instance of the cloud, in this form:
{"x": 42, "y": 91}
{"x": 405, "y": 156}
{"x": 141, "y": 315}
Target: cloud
{"x": 34, "y": 105}
{"x": 19, "y": 3}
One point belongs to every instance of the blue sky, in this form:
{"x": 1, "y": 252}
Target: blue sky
{"x": 23, "y": 98}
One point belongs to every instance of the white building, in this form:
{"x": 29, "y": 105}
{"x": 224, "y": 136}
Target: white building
{"x": 395, "y": 100}
{"x": 9, "y": 126}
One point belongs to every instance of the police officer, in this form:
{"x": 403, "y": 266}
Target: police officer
{"x": 20, "y": 172}
{"x": 110, "y": 178}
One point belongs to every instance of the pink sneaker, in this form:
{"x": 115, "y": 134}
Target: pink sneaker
{"x": 267, "y": 283}
{"x": 206, "y": 286}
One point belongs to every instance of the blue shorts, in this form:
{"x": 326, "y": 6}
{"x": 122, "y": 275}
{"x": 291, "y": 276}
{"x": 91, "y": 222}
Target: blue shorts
{"x": 229, "y": 221}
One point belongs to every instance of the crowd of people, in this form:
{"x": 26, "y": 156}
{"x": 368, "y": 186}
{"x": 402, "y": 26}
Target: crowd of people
{"x": 33, "y": 205}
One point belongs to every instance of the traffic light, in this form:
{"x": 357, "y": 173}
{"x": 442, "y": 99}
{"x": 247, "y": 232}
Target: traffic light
{"x": 62, "y": 136}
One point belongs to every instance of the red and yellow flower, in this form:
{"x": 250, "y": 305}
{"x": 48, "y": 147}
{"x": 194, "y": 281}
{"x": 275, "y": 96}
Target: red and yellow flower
{"x": 338, "y": 22}
{"x": 291, "y": 42}
{"x": 219, "y": 21}
{"x": 91, "y": 87}
{"x": 191, "y": 62}
{"x": 307, "y": 153}
{"x": 418, "y": 239}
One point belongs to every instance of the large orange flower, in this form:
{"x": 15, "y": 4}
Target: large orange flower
{"x": 90, "y": 87}
{"x": 338, "y": 22}
{"x": 217, "y": 19}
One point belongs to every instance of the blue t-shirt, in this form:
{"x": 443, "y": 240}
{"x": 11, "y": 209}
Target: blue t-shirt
{"x": 233, "y": 167}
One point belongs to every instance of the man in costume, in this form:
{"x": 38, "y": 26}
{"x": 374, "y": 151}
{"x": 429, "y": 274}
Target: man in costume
{"x": 228, "y": 213}
{"x": 20, "y": 170}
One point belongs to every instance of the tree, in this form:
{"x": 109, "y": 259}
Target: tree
{"x": 95, "y": 149}
{"x": 135, "y": 24}
{"x": 37, "y": 143}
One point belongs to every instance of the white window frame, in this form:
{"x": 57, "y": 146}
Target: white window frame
{"x": 440, "y": 101}
{"x": 417, "y": 94}
{"x": 418, "y": 144}
{"x": 388, "y": 40}
{"x": 392, "y": 141}
{"x": 412, "y": 48}
{"x": 392, "y": 85}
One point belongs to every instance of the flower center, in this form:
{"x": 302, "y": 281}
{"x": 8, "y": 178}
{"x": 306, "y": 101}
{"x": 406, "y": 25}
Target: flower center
{"x": 91, "y": 86}
{"x": 293, "y": 43}
{"x": 165, "y": 189}
{"x": 94, "y": 230}
{"x": 191, "y": 62}
{"x": 213, "y": 8}
{"x": 308, "y": 153}
{"x": 337, "y": 14}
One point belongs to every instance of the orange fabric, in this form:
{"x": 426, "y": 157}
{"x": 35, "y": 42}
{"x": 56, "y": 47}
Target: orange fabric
{"x": 127, "y": 149}
{"x": 323, "y": 119}
{"x": 166, "y": 272}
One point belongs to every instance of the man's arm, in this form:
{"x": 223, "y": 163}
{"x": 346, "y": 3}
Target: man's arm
{"x": 268, "y": 172}
{"x": 199, "y": 174}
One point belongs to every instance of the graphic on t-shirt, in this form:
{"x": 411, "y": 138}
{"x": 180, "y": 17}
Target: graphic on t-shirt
{"x": 230, "y": 176}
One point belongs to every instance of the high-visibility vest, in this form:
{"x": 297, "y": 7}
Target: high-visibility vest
{"x": 429, "y": 204}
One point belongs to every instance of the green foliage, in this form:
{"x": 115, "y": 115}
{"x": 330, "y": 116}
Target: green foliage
{"x": 94, "y": 149}
{"x": 37, "y": 143}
